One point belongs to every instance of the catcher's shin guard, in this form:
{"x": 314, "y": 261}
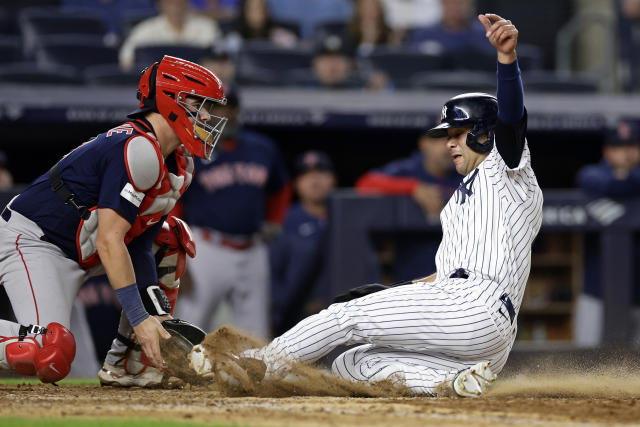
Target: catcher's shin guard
{"x": 50, "y": 362}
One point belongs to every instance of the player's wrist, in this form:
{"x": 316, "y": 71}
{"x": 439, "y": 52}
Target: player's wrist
{"x": 507, "y": 58}
{"x": 131, "y": 303}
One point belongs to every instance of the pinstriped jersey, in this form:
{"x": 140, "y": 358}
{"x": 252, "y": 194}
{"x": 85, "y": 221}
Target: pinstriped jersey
{"x": 488, "y": 227}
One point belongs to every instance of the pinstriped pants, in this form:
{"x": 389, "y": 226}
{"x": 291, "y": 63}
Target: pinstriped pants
{"x": 421, "y": 333}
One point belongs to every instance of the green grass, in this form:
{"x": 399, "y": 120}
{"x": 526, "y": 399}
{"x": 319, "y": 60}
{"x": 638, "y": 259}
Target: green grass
{"x": 70, "y": 381}
{"x": 103, "y": 422}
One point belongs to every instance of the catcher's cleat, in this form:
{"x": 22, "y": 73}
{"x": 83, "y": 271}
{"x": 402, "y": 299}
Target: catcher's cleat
{"x": 117, "y": 376}
{"x": 474, "y": 381}
{"x": 129, "y": 372}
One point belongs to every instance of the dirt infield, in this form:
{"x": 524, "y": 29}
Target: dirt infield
{"x": 505, "y": 405}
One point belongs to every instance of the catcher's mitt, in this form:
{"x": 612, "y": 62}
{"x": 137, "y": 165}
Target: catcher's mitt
{"x": 360, "y": 292}
{"x": 175, "y": 350}
{"x": 185, "y": 333}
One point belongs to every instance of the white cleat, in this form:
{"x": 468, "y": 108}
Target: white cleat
{"x": 474, "y": 381}
{"x": 117, "y": 376}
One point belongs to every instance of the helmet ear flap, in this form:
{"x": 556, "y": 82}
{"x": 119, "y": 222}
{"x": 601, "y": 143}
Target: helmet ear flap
{"x": 147, "y": 88}
{"x": 477, "y": 131}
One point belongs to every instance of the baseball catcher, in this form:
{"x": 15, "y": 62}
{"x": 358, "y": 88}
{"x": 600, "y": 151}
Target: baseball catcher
{"x": 99, "y": 210}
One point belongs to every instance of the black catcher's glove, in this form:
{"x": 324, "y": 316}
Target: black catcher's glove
{"x": 360, "y": 291}
{"x": 371, "y": 288}
{"x": 183, "y": 333}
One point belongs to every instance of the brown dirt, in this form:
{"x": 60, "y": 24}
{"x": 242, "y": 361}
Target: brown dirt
{"x": 200, "y": 404}
{"x": 302, "y": 380}
{"x": 551, "y": 393}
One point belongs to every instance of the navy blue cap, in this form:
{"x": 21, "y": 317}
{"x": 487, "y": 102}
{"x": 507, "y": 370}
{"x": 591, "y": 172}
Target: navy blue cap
{"x": 332, "y": 45}
{"x": 627, "y": 132}
{"x": 312, "y": 160}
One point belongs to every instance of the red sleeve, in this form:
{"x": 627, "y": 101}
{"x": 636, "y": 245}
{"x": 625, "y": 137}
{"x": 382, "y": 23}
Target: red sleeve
{"x": 376, "y": 182}
{"x": 278, "y": 204}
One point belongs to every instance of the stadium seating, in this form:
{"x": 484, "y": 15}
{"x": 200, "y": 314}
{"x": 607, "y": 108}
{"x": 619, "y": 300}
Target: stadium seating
{"x": 263, "y": 63}
{"x": 324, "y": 29}
{"x": 402, "y": 65}
{"x": 545, "y": 81}
{"x": 471, "y": 58}
{"x": 31, "y": 73}
{"x": 110, "y": 75}
{"x": 36, "y": 24}
{"x": 456, "y": 81}
{"x": 146, "y": 55}
{"x": 78, "y": 52}
{"x": 10, "y": 49}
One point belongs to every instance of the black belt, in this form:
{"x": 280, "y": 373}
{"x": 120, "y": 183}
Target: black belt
{"x": 65, "y": 194}
{"x": 460, "y": 273}
{"x": 504, "y": 298}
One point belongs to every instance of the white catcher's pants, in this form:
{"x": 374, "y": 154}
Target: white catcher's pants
{"x": 423, "y": 333}
{"x": 39, "y": 279}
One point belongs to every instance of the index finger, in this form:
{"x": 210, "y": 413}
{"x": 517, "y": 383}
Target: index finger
{"x": 484, "y": 21}
{"x": 493, "y": 17}
{"x": 153, "y": 352}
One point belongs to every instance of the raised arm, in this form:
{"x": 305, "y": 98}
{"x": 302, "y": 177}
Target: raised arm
{"x": 511, "y": 128}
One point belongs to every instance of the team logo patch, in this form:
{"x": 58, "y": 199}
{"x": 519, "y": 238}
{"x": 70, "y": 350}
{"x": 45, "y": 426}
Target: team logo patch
{"x": 131, "y": 195}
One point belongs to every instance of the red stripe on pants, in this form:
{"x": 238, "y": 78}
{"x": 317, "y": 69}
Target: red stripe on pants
{"x": 28, "y": 277}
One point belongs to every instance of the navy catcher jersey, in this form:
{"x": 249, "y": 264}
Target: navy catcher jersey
{"x": 229, "y": 193}
{"x": 97, "y": 173}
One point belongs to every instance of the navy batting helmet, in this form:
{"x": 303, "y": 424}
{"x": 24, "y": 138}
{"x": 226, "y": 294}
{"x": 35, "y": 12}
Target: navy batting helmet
{"x": 480, "y": 110}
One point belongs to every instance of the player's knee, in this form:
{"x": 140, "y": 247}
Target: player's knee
{"x": 51, "y": 362}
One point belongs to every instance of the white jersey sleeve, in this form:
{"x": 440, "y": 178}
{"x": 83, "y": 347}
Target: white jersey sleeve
{"x": 518, "y": 184}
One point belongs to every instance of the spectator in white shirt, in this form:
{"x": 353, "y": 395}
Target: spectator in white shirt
{"x": 176, "y": 24}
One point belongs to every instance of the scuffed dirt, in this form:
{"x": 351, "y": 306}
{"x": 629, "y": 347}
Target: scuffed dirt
{"x": 248, "y": 375}
{"x": 198, "y": 404}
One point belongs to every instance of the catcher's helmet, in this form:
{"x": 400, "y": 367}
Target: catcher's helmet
{"x": 164, "y": 88}
{"x": 479, "y": 110}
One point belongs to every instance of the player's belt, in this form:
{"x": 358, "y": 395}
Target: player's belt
{"x": 239, "y": 243}
{"x": 460, "y": 273}
{"x": 506, "y": 301}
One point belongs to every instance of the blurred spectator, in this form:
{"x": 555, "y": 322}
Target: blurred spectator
{"x": 368, "y": 27}
{"x": 618, "y": 173}
{"x": 220, "y": 61}
{"x": 255, "y": 23}
{"x": 616, "y": 176}
{"x": 111, "y": 11}
{"x": 217, "y": 9}
{"x": 299, "y": 282}
{"x": 334, "y": 68}
{"x": 6, "y": 178}
{"x": 428, "y": 176}
{"x": 176, "y": 24}
{"x": 458, "y": 29}
{"x": 630, "y": 43}
{"x": 243, "y": 187}
{"x": 309, "y": 13}
{"x": 403, "y": 15}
